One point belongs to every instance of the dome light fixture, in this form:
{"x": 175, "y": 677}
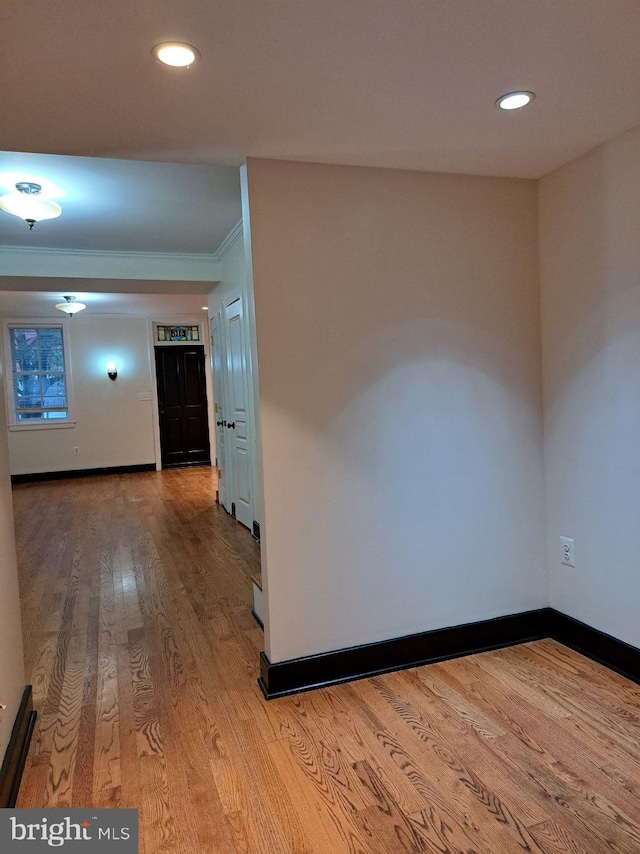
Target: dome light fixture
{"x": 25, "y": 202}
{"x": 515, "y": 100}
{"x": 70, "y": 306}
{"x": 175, "y": 54}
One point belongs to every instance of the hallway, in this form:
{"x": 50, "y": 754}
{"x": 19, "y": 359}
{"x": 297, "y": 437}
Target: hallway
{"x": 143, "y": 656}
{"x": 136, "y": 622}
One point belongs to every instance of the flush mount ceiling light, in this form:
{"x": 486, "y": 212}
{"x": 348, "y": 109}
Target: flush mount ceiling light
{"x": 25, "y": 202}
{"x": 175, "y": 54}
{"x": 515, "y": 100}
{"x": 70, "y": 306}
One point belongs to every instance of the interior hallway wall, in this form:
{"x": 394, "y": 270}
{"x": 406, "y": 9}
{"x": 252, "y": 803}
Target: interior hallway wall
{"x": 12, "y": 679}
{"x": 590, "y": 273}
{"x": 398, "y": 336}
{"x": 113, "y": 427}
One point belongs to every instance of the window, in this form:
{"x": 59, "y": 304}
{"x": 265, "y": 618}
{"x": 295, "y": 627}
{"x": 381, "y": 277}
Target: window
{"x": 39, "y": 379}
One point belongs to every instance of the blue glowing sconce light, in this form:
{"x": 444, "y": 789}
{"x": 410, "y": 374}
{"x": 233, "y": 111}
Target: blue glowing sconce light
{"x": 112, "y": 371}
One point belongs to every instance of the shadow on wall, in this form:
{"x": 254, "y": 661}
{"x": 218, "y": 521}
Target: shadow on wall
{"x": 415, "y": 482}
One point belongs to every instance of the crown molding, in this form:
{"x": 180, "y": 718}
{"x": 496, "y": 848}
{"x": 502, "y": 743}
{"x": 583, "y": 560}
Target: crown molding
{"x": 104, "y": 253}
{"x": 230, "y": 239}
{"x": 88, "y": 264}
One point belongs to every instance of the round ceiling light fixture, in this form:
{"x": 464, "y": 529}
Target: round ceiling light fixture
{"x": 175, "y": 54}
{"x": 25, "y": 202}
{"x": 515, "y": 100}
{"x": 71, "y": 306}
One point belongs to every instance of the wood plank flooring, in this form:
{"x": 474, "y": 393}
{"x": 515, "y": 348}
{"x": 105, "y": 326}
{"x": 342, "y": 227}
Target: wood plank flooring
{"x": 143, "y": 655}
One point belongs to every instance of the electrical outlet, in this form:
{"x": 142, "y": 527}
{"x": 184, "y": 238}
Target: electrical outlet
{"x": 144, "y": 395}
{"x": 568, "y": 554}
{"x": 76, "y": 450}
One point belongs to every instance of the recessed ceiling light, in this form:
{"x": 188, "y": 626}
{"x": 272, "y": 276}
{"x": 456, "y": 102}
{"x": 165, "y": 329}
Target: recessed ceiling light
{"x": 515, "y": 100}
{"x": 175, "y": 54}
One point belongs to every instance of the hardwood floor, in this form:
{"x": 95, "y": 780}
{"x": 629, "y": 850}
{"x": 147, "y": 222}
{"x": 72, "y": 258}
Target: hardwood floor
{"x": 143, "y": 656}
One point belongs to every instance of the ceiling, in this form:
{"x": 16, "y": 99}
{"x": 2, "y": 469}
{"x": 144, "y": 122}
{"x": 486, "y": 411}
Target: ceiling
{"x": 124, "y": 205}
{"x": 146, "y": 156}
{"x": 407, "y": 84}
{"x": 17, "y": 304}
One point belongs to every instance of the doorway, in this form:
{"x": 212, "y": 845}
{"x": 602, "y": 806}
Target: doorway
{"x": 232, "y": 383}
{"x": 182, "y": 405}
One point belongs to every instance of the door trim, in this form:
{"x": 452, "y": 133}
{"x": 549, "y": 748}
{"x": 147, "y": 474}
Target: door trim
{"x": 202, "y": 374}
{"x": 221, "y": 456}
{"x": 187, "y": 320}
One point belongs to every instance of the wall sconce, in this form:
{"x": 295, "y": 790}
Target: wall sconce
{"x": 112, "y": 371}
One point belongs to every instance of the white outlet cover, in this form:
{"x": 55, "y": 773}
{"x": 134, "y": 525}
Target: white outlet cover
{"x": 567, "y": 546}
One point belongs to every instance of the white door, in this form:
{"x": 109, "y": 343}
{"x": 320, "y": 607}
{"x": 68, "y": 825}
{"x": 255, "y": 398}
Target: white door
{"x": 238, "y": 439}
{"x": 218, "y": 364}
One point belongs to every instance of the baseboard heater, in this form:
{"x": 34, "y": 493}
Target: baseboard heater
{"x": 17, "y": 749}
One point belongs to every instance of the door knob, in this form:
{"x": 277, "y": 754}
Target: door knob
{"x": 218, "y": 423}
{"x": 231, "y": 425}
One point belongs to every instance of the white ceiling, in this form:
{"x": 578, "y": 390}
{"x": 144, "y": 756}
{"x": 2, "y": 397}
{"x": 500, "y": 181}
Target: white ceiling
{"x": 376, "y": 82}
{"x": 124, "y": 205}
{"x": 16, "y": 304}
{"x": 408, "y": 84}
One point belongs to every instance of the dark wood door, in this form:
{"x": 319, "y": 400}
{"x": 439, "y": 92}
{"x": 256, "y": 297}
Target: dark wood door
{"x": 182, "y": 402}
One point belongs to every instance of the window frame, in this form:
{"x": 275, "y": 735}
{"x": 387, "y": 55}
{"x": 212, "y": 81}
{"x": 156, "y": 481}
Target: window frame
{"x": 45, "y": 423}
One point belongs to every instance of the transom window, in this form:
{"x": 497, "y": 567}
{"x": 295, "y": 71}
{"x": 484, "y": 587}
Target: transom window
{"x": 39, "y": 374}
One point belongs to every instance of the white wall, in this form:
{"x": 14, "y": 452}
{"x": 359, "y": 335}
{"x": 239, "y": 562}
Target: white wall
{"x": 12, "y": 679}
{"x": 590, "y": 274}
{"x": 397, "y": 319}
{"x": 113, "y": 427}
{"x": 233, "y": 269}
